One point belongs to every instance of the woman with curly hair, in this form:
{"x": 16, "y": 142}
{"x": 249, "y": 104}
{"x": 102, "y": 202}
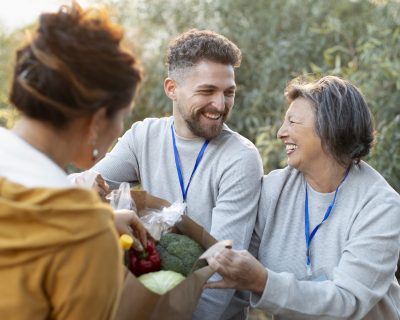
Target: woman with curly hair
{"x": 73, "y": 84}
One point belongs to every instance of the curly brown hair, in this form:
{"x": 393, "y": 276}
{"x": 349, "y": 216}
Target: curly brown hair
{"x": 195, "y": 45}
{"x": 74, "y": 65}
{"x": 343, "y": 120}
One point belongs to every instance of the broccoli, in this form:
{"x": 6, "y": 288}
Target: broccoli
{"x": 179, "y": 253}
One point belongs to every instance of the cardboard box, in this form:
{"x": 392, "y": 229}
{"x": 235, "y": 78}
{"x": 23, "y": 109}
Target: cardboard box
{"x": 137, "y": 302}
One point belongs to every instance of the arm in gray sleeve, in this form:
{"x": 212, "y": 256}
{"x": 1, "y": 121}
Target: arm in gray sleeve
{"x": 121, "y": 164}
{"x": 360, "y": 281}
{"x": 233, "y": 217}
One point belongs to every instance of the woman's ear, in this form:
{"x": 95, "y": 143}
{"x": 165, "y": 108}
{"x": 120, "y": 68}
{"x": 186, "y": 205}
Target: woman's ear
{"x": 97, "y": 122}
{"x": 169, "y": 88}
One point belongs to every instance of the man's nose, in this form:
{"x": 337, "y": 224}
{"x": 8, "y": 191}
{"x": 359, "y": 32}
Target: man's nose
{"x": 219, "y": 102}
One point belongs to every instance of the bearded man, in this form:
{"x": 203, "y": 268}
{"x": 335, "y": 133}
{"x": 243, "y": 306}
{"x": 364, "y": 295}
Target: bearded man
{"x": 193, "y": 156}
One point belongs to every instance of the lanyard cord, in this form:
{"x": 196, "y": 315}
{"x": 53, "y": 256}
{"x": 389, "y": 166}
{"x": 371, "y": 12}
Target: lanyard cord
{"x": 307, "y": 234}
{"x": 178, "y": 165}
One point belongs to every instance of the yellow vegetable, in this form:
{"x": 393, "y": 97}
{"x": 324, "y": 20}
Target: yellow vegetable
{"x": 126, "y": 241}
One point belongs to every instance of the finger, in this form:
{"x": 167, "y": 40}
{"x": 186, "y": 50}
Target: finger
{"x": 137, "y": 225}
{"x": 224, "y": 258}
{"x": 216, "y": 285}
{"x": 121, "y": 222}
{"x": 106, "y": 187}
{"x": 101, "y": 192}
{"x": 142, "y": 234}
{"x": 229, "y": 254}
{"x": 221, "y": 267}
{"x": 102, "y": 184}
{"x": 213, "y": 263}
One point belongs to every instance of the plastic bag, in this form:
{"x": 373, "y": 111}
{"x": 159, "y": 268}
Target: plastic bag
{"x": 121, "y": 198}
{"x": 84, "y": 179}
{"x": 158, "y": 222}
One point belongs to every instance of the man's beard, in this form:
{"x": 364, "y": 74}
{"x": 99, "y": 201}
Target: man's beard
{"x": 208, "y": 132}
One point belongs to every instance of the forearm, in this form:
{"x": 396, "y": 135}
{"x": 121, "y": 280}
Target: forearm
{"x": 120, "y": 165}
{"x": 288, "y": 297}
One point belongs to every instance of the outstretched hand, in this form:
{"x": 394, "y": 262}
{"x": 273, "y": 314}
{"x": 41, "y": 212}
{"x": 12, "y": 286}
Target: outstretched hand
{"x": 127, "y": 222}
{"x": 239, "y": 270}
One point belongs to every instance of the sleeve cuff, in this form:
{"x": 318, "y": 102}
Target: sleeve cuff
{"x": 274, "y": 295}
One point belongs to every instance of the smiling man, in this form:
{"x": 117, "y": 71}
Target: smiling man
{"x": 193, "y": 156}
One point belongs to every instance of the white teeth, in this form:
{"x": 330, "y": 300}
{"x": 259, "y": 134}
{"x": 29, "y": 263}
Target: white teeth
{"x": 291, "y": 147}
{"x": 213, "y": 116}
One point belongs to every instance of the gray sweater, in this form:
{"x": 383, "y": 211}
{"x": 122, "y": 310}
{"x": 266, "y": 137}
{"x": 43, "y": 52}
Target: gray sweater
{"x": 354, "y": 253}
{"x": 223, "y": 194}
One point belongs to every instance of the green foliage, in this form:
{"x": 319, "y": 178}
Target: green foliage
{"x": 8, "y": 45}
{"x": 355, "y": 39}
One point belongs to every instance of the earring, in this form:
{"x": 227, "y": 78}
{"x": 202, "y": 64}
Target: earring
{"x": 95, "y": 151}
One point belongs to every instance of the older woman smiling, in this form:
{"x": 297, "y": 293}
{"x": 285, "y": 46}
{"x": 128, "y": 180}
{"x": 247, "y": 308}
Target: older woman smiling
{"x": 328, "y": 229}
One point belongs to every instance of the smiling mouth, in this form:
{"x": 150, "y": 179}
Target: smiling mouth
{"x": 290, "y": 148}
{"x": 212, "y": 115}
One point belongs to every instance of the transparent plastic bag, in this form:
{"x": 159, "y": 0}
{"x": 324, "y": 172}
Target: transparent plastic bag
{"x": 121, "y": 198}
{"x": 84, "y": 179}
{"x": 159, "y": 221}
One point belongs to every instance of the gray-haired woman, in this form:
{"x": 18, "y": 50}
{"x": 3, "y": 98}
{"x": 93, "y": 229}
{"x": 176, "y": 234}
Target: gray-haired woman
{"x": 328, "y": 229}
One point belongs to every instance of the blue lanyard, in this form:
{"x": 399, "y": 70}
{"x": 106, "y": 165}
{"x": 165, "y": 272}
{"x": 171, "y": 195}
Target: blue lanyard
{"x": 178, "y": 165}
{"x": 309, "y": 236}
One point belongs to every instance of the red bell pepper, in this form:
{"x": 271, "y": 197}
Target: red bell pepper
{"x": 145, "y": 261}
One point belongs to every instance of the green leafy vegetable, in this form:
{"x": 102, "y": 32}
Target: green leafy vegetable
{"x": 161, "y": 281}
{"x": 179, "y": 253}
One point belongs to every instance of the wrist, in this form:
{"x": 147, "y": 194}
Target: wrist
{"x": 260, "y": 284}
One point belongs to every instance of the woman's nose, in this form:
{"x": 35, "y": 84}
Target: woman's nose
{"x": 282, "y": 131}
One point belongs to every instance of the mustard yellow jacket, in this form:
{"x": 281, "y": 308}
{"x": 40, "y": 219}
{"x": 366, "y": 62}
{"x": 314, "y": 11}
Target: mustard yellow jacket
{"x": 59, "y": 255}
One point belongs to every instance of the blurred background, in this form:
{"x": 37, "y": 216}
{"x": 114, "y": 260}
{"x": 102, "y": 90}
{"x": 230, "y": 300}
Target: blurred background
{"x": 280, "y": 39}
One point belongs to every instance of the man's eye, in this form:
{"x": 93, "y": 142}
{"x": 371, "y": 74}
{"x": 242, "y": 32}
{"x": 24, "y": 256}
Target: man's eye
{"x": 230, "y": 93}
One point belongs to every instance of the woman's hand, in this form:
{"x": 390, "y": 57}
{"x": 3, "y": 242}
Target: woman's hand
{"x": 127, "y": 221}
{"x": 239, "y": 269}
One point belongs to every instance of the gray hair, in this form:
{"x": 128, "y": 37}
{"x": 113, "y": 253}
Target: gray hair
{"x": 343, "y": 120}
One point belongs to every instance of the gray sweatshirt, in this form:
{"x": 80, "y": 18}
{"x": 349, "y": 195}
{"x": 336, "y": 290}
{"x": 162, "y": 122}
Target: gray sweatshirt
{"x": 223, "y": 194}
{"x": 353, "y": 254}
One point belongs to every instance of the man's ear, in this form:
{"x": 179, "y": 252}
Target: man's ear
{"x": 170, "y": 88}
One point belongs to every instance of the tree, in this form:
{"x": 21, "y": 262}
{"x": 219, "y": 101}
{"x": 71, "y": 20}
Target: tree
{"x": 280, "y": 40}
{"x": 355, "y": 39}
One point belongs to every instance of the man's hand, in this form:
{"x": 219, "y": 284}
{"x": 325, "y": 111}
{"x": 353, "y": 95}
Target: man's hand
{"x": 101, "y": 186}
{"x": 91, "y": 179}
{"x": 127, "y": 221}
{"x": 239, "y": 269}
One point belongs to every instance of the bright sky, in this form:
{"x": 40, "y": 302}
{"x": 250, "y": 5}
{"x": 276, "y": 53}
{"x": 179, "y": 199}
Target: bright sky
{"x": 17, "y": 13}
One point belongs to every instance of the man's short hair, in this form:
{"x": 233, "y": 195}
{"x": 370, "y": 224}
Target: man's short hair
{"x": 192, "y": 46}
